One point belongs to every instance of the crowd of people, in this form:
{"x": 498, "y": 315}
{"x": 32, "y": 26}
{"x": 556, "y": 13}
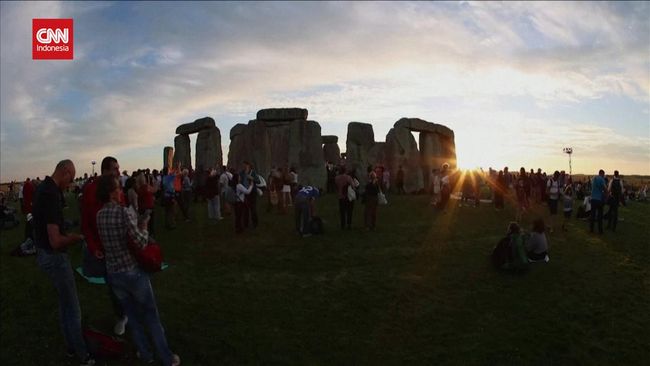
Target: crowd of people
{"x": 117, "y": 210}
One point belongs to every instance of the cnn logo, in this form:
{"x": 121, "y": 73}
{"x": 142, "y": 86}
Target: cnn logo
{"x": 52, "y": 39}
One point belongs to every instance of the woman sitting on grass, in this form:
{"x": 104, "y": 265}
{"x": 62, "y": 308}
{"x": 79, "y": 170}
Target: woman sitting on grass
{"x": 537, "y": 244}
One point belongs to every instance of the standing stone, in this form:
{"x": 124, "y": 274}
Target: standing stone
{"x": 331, "y": 150}
{"x": 271, "y": 141}
{"x": 208, "y": 149}
{"x": 360, "y": 140}
{"x": 402, "y": 150}
{"x": 182, "y": 152}
{"x": 168, "y": 156}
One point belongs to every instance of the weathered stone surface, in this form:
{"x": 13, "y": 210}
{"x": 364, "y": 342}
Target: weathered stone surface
{"x": 237, "y": 130}
{"x": 282, "y": 114}
{"x": 331, "y": 153}
{"x": 330, "y": 139}
{"x": 196, "y": 126}
{"x": 208, "y": 149}
{"x": 267, "y": 144}
{"x": 420, "y": 125}
{"x": 182, "y": 152}
{"x": 436, "y": 146}
{"x": 168, "y": 156}
{"x": 402, "y": 150}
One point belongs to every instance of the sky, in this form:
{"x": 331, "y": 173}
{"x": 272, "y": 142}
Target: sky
{"x": 517, "y": 82}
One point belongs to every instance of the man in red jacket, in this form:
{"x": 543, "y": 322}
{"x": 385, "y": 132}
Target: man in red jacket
{"x": 28, "y": 196}
{"x": 89, "y": 207}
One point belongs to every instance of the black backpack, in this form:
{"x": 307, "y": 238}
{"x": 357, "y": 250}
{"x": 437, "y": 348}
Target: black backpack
{"x": 616, "y": 188}
{"x": 316, "y": 225}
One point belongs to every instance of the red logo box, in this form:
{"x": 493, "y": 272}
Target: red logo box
{"x": 52, "y": 39}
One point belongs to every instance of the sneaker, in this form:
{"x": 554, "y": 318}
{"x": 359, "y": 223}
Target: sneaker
{"x": 176, "y": 361}
{"x": 148, "y": 362}
{"x": 306, "y": 235}
{"x": 547, "y": 259}
{"x": 120, "y": 326}
{"x": 88, "y": 361}
{"x": 70, "y": 353}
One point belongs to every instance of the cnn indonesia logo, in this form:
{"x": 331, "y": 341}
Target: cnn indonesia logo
{"x": 52, "y": 39}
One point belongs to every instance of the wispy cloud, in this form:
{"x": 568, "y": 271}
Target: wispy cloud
{"x": 140, "y": 69}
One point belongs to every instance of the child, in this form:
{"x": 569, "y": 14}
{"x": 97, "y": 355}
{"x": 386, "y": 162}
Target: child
{"x": 567, "y": 199}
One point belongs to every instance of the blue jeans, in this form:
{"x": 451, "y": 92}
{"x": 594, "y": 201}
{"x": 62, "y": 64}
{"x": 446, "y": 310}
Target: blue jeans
{"x": 57, "y": 267}
{"x": 134, "y": 291}
{"x": 302, "y": 216}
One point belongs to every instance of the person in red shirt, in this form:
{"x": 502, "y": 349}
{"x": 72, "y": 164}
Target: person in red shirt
{"x": 90, "y": 205}
{"x": 28, "y": 196}
{"x": 146, "y": 199}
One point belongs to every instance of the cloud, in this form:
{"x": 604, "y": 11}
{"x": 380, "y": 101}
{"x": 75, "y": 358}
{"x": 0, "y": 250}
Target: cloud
{"x": 142, "y": 69}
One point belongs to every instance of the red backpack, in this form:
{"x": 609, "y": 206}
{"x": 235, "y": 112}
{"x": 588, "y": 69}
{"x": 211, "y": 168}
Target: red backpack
{"x": 103, "y": 345}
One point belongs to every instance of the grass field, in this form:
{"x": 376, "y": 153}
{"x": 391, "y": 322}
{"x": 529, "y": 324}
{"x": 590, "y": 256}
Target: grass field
{"x": 419, "y": 290}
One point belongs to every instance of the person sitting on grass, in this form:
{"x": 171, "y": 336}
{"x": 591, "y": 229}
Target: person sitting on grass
{"x": 537, "y": 244}
{"x": 510, "y": 253}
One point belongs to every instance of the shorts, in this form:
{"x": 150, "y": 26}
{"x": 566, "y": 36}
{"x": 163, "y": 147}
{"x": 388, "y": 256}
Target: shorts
{"x": 286, "y": 188}
{"x": 567, "y": 214}
{"x": 552, "y": 206}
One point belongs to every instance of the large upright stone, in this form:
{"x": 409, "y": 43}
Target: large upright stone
{"x": 208, "y": 149}
{"x": 360, "y": 139}
{"x": 331, "y": 153}
{"x": 196, "y": 126}
{"x": 168, "y": 156}
{"x": 275, "y": 142}
{"x": 436, "y": 147}
{"x": 182, "y": 152}
{"x": 282, "y": 114}
{"x": 402, "y": 150}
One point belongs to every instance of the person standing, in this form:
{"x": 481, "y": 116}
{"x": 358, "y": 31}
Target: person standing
{"x": 186, "y": 194}
{"x": 117, "y": 226}
{"x": 343, "y": 182}
{"x": 399, "y": 181}
{"x": 553, "y": 189}
{"x": 146, "y": 198}
{"x": 248, "y": 178}
{"x": 372, "y": 191}
{"x": 51, "y": 241}
{"x": 615, "y": 189}
{"x": 521, "y": 186}
{"x": 445, "y": 187}
{"x": 241, "y": 212}
{"x": 90, "y": 207}
{"x": 28, "y": 196}
{"x": 598, "y": 191}
{"x": 499, "y": 190}
{"x": 213, "y": 193}
{"x": 169, "y": 198}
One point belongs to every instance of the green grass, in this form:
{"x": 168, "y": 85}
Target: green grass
{"x": 419, "y": 290}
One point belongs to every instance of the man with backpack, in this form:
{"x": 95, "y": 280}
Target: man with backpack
{"x": 304, "y": 207}
{"x": 615, "y": 190}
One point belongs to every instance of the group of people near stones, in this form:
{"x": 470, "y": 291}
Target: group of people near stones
{"x": 117, "y": 210}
